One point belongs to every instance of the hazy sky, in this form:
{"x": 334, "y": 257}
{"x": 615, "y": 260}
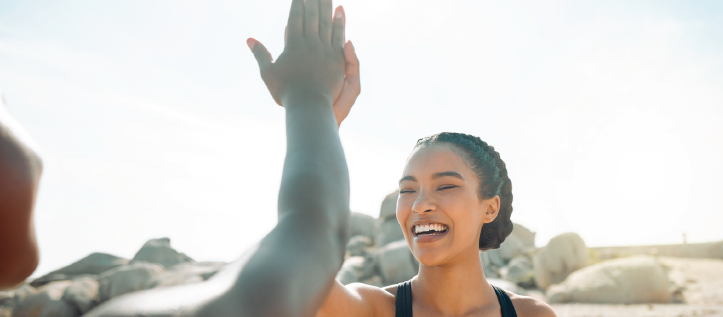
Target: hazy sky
{"x": 154, "y": 122}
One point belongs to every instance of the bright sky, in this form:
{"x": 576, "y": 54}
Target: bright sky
{"x": 154, "y": 122}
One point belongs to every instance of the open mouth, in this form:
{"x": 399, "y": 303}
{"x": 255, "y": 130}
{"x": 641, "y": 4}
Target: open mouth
{"x": 430, "y": 229}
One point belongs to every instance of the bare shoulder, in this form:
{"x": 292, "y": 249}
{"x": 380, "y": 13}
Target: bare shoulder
{"x": 357, "y": 299}
{"x": 526, "y": 306}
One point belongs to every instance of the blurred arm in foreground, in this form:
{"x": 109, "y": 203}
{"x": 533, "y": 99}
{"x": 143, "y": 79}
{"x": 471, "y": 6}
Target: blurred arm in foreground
{"x": 290, "y": 271}
{"x": 20, "y": 169}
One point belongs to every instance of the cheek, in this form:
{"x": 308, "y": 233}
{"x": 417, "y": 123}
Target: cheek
{"x": 404, "y": 207}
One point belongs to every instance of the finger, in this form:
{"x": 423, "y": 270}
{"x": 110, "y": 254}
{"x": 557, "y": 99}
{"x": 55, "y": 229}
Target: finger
{"x": 295, "y": 25}
{"x": 337, "y": 35}
{"x": 262, "y": 55}
{"x": 311, "y": 18}
{"x": 352, "y": 66}
{"x": 285, "y": 30}
{"x": 325, "y": 20}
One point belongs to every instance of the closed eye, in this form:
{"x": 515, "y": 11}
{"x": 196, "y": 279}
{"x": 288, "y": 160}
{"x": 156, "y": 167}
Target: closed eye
{"x": 404, "y": 191}
{"x": 447, "y": 187}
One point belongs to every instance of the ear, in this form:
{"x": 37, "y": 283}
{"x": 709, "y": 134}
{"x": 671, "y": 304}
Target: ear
{"x": 491, "y": 208}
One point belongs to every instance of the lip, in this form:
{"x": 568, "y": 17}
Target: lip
{"x": 428, "y": 238}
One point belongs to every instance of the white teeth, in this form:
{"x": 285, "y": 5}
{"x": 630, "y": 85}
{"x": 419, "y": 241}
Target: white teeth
{"x": 437, "y": 227}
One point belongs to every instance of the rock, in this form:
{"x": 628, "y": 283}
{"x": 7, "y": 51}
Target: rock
{"x": 126, "y": 279}
{"x": 526, "y": 236}
{"x": 389, "y": 206}
{"x": 82, "y": 293}
{"x": 519, "y": 271}
{"x": 640, "y": 279}
{"x": 350, "y": 270}
{"x": 388, "y": 231}
{"x": 47, "y": 302}
{"x": 362, "y": 225}
{"x": 511, "y": 247}
{"x": 94, "y": 263}
{"x": 159, "y": 251}
{"x": 357, "y": 245}
{"x": 396, "y": 263}
{"x": 187, "y": 273}
{"x": 563, "y": 255}
{"x": 491, "y": 263}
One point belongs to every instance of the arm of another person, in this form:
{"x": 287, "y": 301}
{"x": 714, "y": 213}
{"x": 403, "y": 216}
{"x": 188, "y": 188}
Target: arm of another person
{"x": 20, "y": 169}
{"x": 294, "y": 266}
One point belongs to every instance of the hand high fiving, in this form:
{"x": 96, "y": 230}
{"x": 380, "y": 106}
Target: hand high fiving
{"x": 316, "y": 63}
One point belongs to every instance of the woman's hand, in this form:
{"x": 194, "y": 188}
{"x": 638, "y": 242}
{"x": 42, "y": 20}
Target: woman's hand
{"x": 352, "y": 86}
{"x": 312, "y": 64}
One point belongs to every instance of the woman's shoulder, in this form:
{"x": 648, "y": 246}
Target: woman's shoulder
{"x": 358, "y": 299}
{"x": 526, "y": 306}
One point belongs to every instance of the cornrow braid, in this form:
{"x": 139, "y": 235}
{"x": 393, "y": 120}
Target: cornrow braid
{"x": 494, "y": 181}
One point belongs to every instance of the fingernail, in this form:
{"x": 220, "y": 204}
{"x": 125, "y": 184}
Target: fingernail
{"x": 339, "y": 13}
{"x": 250, "y": 42}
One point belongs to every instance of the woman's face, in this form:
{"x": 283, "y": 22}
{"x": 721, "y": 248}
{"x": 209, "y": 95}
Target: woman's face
{"x": 439, "y": 208}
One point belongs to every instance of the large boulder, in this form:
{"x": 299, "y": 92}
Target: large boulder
{"x": 492, "y": 262}
{"x": 388, "y": 231}
{"x": 389, "y": 206}
{"x": 640, "y": 279}
{"x": 94, "y": 263}
{"x": 358, "y": 245}
{"x": 564, "y": 254}
{"x": 526, "y": 236}
{"x": 519, "y": 271}
{"x": 47, "y": 302}
{"x": 387, "y": 228}
{"x": 187, "y": 273}
{"x": 350, "y": 271}
{"x": 126, "y": 279}
{"x": 159, "y": 251}
{"x": 511, "y": 247}
{"x": 82, "y": 293}
{"x": 362, "y": 225}
{"x": 396, "y": 262}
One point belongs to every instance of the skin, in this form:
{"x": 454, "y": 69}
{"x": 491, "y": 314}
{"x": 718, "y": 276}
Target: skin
{"x": 438, "y": 187}
{"x": 290, "y": 271}
{"x": 20, "y": 170}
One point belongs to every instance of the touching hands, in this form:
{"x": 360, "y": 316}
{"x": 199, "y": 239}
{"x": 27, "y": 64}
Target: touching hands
{"x": 316, "y": 63}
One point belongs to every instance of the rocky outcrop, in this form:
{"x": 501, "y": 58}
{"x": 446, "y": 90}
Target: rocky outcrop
{"x": 519, "y": 271}
{"x": 47, "y": 302}
{"x": 396, "y": 263}
{"x": 358, "y": 245}
{"x": 82, "y": 293}
{"x": 126, "y": 279}
{"x": 186, "y": 273}
{"x": 640, "y": 279}
{"x": 362, "y": 225}
{"x": 94, "y": 263}
{"x": 159, "y": 251}
{"x": 388, "y": 229}
{"x": 563, "y": 255}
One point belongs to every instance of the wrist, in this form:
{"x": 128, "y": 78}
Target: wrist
{"x": 307, "y": 97}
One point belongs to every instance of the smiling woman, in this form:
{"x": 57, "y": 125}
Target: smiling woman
{"x": 455, "y": 199}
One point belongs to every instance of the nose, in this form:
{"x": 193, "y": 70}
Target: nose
{"x": 424, "y": 203}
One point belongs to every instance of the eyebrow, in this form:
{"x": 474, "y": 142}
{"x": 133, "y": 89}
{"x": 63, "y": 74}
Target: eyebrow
{"x": 435, "y": 176}
{"x": 450, "y": 173}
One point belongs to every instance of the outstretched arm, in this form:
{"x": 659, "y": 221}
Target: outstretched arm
{"x": 20, "y": 169}
{"x": 293, "y": 267}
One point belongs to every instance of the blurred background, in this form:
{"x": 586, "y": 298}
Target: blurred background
{"x": 154, "y": 122}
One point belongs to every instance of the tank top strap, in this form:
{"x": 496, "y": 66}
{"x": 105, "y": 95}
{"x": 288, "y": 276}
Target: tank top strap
{"x": 404, "y": 300}
{"x": 508, "y": 310}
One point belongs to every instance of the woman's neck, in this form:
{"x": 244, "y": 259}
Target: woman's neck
{"x": 457, "y": 288}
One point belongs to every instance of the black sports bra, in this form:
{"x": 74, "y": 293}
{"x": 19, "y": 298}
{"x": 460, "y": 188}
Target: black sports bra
{"x": 404, "y": 301}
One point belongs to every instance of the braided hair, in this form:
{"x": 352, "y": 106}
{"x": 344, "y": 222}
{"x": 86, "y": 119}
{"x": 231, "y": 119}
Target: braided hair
{"x": 492, "y": 173}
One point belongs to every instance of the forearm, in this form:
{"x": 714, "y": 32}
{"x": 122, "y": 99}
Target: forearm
{"x": 20, "y": 169}
{"x": 315, "y": 180}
